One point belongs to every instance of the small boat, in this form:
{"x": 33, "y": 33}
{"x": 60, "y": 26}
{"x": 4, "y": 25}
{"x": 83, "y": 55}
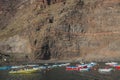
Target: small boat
{"x": 43, "y": 67}
{"x": 101, "y": 70}
{"x": 17, "y": 67}
{"x": 111, "y": 63}
{"x": 66, "y": 64}
{"x": 46, "y": 64}
{"x": 5, "y": 67}
{"x": 93, "y": 63}
{"x": 60, "y": 65}
{"x": 84, "y": 69}
{"x": 37, "y": 68}
{"x": 81, "y": 65}
{"x": 72, "y": 68}
{"x": 23, "y": 71}
{"x": 117, "y": 67}
{"x": 90, "y": 65}
{"x": 32, "y": 65}
{"x": 55, "y": 65}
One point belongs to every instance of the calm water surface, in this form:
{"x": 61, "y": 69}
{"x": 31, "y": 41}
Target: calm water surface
{"x": 61, "y": 74}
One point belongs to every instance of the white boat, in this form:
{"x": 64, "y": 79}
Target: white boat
{"x": 81, "y": 65}
{"x": 50, "y": 66}
{"x": 92, "y": 64}
{"x": 84, "y": 69}
{"x": 60, "y": 65}
{"x": 65, "y": 64}
{"x": 22, "y": 66}
{"x": 46, "y": 64}
{"x": 37, "y": 68}
{"x": 32, "y": 65}
{"x": 101, "y": 70}
{"x": 55, "y": 65}
{"x": 17, "y": 67}
{"x": 42, "y": 67}
{"x": 111, "y": 63}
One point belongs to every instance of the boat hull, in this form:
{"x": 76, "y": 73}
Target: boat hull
{"x": 5, "y": 68}
{"x": 71, "y": 68}
{"x": 105, "y": 70}
{"x": 117, "y": 67}
{"x": 26, "y": 71}
{"x": 84, "y": 69}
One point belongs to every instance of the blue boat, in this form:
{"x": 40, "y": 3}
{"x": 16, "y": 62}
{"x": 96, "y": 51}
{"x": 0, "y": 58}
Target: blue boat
{"x": 5, "y": 67}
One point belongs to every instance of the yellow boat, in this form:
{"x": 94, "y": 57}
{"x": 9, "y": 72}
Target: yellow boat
{"x": 23, "y": 71}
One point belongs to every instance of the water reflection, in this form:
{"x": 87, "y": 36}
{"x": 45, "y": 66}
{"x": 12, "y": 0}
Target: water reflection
{"x": 7, "y": 76}
{"x": 24, "y": 77}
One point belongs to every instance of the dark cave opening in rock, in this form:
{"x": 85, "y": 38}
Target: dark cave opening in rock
{"x": 35, "y": 41}
{"x": 38, "y": 28}
{"x": 46, "y": 52}
{"x": 51, "y": 19}
{"x": 48, "y": 2}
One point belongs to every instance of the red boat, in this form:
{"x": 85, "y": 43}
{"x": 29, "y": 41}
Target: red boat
{"x": 71, "y": 68}
{"x": 117, "y": 67}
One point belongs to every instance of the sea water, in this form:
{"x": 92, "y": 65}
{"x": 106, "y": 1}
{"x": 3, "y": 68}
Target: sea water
{"x": 60, "y": 73}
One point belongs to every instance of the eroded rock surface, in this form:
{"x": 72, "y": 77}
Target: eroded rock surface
{"x": 62, "y": 29}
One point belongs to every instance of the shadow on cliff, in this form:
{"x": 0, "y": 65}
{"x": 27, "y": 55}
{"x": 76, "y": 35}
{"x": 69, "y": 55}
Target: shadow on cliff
{"x": 48, "y": 2}
{"x": 46, "y": 54}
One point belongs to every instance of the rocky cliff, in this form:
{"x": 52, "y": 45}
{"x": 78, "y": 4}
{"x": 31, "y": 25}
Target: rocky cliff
{"x": 60, "y": 29}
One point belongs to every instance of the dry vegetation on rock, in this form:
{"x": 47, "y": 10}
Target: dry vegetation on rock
{"x": 61, "y": 29}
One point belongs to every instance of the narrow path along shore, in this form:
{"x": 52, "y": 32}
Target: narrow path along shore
{"x": 37, "y": 62}
{"x": 55, "y": 61}
{"x": 52, "y": 61}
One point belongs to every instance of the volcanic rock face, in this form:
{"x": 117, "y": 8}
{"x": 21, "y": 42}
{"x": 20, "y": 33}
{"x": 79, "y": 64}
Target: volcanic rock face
{"x": 61, "y": 29}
